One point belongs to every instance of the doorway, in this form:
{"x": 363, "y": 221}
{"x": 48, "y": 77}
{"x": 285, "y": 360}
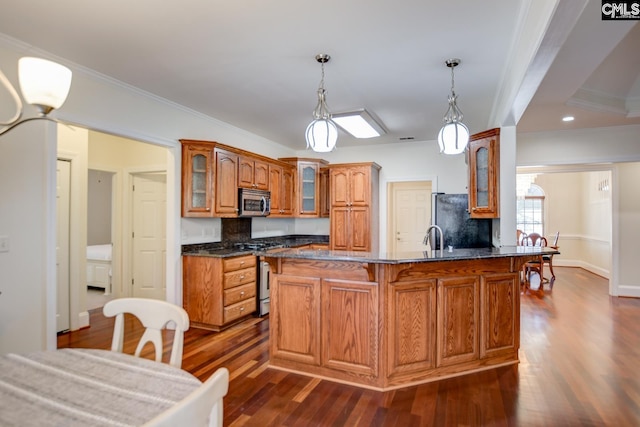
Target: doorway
{"x": 63, "y": 209}
{"x": 409, "y": 215}
{"x": 100, "y": 237}
{"x": 148, "y": 236}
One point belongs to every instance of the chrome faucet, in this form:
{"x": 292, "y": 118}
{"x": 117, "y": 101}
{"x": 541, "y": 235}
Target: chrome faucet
{"x": 428, "y": 236}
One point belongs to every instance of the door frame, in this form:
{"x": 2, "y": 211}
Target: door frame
{"x": 391, "y": 207}
{"x": 127, "y": 226}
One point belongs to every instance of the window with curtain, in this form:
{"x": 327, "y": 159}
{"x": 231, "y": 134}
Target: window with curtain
{"x": 530, "y": 210}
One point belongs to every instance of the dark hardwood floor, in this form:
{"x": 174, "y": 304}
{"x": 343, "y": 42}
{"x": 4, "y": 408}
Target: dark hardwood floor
{"x": 579, "y": 366}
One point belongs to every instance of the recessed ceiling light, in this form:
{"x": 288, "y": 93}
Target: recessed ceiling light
{"x": 568, "y": 118}
{"x": 358, "y": 123}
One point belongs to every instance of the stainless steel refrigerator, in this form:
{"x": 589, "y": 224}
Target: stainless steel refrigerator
{"x": 450, "y": 212}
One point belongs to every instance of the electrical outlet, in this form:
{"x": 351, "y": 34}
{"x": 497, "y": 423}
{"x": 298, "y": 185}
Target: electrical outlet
{"x": 4, "y": 243}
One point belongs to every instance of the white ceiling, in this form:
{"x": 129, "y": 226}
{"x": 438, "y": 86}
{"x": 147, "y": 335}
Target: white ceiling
{"x": 251, "y": 62}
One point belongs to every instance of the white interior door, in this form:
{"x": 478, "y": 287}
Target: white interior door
{"x": 63, "y": 187}
{"x": 410, "y": 215}
{"x": 149, "y": 235}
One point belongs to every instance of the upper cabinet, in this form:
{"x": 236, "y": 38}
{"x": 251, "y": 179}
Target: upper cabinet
{"x": 282, "y": 187}
{"x": 213, "y": 172}
{"x": 307, "y": 203}
{"x": 354, "y": 215}
{"x": 197, "y": 180}
{"x": 484, "y": 174}
{"x": 226, "y": 183}
{"x": 253, "y": 173}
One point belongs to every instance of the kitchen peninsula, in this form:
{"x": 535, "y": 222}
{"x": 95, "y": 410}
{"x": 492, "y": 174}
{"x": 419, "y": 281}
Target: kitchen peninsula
{"x": 385, "y": 321}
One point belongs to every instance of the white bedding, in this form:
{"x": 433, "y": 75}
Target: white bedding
{"x": 99, "y": 252}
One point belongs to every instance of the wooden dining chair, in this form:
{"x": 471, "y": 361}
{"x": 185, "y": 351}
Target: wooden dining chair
{"x": 536, "y": 265}
{"x": 520, "y": 236}
{"x": 548, "y": 259}
{"x": 154, "y": 316}
{"x": 203, "y": 407}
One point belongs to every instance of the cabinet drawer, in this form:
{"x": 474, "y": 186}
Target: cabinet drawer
{"x": 232, "y": 264}
{"x": 239, "y": 277}
{"x": 240, "y": 309}
{"x": 239, "y": 293}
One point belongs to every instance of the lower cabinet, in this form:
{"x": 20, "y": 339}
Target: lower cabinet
{"x": 389, "y": 325}
{"x": 412, "y": 335}
{"x": 217, "y": 292}
{"x": 325, "y": 322}
{"x": 443, "y": 322}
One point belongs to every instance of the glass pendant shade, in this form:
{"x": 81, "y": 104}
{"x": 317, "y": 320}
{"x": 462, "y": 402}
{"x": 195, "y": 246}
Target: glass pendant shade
{"x": 322, "y": 135}
{"x": 43, "y": 83}
{"x": 453, "y": 138}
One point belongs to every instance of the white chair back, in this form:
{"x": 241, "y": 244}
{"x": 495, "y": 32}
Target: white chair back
{"x": 154, "y": 316}
{"x": 203, "y": 407}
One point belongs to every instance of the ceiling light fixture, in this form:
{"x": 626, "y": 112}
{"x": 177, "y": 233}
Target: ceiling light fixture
{"x": 568, "y": 118}
{"x": 322, "y": 133}
{"x": 358, "y": 123}
{"x": 44, "y": 84}
{"x": 454, "y": 135}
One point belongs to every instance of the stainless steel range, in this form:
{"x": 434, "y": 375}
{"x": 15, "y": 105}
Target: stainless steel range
{"x": 263, "y": 288}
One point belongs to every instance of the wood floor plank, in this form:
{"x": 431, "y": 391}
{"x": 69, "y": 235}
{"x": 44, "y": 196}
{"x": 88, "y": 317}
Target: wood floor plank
{"x": 579, "y": 360}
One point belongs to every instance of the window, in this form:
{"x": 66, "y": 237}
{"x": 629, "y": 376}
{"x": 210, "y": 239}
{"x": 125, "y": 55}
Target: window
{"x": 530, "y": 210}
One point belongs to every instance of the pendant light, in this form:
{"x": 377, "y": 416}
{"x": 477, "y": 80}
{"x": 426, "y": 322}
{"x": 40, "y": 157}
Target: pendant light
{"x": 454, "y": 135}
{"x": 322, "y": 133}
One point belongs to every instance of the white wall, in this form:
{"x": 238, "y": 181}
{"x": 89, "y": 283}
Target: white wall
{"x": 27, "y": 221}
{"x": 581, "y": 211}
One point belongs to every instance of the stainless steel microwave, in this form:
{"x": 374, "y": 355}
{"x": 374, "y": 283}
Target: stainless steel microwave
{"x": 253, "y": 202}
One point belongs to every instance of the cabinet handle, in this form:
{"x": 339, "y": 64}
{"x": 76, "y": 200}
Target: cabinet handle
{"x": 208, "y": 209}
{"x": 242, "y": 277}
{"x": 241, "y": 308}
{"x": 242, "y": 293}
{"x": 241, "y": 262}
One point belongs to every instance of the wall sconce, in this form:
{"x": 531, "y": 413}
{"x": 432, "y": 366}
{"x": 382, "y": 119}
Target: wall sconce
{"x": 322, "y": 133}
{"x": 454, "y": 135}
{"x": 44, "y": 84}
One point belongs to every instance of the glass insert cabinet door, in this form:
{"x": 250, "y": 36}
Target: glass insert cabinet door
{"x": 484, "y": 174}
{"x": 309, "y": 185}
{"x": 197, "y": 172}
{"x": 199, "y": 182}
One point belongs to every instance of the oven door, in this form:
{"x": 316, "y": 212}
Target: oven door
{"x": 263, "y": 289}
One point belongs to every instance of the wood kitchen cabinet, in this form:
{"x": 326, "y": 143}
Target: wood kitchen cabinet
{"x": 307, "y": 203}
{"x": 253, "y": 173}
{"x": 500, "y": 315}
{"x": 412, "y": 331}
{"x": 458, "y": 320}
{"x": 282, "y": 187}
{"x": 484, "y": 174}
{"x": 225, "y": 183}
{"x": 197, "y": 180}
{"x": 354, "y": 214}
{"x": 325, "y": 193}
{"x": 349, "y": 326}
{"x": 218, "y": 292}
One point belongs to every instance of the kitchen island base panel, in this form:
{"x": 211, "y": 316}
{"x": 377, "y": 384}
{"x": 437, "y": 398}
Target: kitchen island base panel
{"x": 388, "y": 325}
{"x": 393, "y": 386}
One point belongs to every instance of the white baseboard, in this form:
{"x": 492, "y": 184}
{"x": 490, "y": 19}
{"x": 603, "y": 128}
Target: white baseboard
{"x": 83, "y": 319}
{"x": 577, "y": 263}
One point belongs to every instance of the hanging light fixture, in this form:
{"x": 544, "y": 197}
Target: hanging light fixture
{"x": 44, "y": 84}
{"x": 454, "y": 135}
{"x": 321, "y": 133}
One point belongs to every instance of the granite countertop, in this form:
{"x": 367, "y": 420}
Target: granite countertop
{"x": 407, "y": 257}
{"x": 231, "y": 249}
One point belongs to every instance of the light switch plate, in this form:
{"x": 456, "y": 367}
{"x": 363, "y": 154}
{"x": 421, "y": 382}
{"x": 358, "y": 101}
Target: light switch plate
{"x": 4, "y": 243}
